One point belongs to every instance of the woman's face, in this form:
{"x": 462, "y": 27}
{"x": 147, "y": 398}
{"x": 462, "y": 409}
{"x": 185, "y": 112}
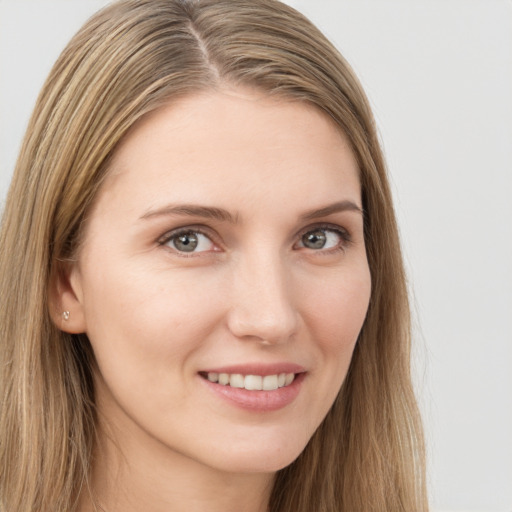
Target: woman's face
{"x": 224, "y": 254}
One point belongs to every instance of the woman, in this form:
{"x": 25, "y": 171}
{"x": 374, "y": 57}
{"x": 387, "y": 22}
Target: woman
{"x": 206, "y": 304}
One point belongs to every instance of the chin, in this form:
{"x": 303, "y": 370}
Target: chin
{"x": 257, "y": 457}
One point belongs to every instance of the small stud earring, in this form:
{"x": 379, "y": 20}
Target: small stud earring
{"x": 65, "y": 315}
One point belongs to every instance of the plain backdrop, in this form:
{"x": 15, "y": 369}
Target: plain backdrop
{"x": 439, "y": 76}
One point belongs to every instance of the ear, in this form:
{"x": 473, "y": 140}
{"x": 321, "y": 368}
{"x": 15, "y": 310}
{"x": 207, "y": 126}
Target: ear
{"x": 66, "y": 299}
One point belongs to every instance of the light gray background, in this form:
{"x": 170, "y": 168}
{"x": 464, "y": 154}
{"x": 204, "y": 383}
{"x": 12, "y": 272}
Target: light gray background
{"x": 439, "y": 76}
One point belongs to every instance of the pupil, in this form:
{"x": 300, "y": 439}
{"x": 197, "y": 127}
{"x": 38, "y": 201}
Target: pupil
{"x": 314, "y": 240}
{"x": 186, "y": 242}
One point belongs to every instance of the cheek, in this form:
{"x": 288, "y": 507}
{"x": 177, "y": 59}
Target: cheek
{"x": 336, "y": 310}
{"x": 150, "y": 318}
{"x": 145, "y": 332}
{"x": 334, "y": 313}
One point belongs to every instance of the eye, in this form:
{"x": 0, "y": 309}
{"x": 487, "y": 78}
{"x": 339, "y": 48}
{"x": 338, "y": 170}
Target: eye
{"x": 324, "y": 238}
{"x": 188, "y": 241}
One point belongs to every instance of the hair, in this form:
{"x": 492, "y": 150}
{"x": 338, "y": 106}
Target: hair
{"x": 128, "y": 60}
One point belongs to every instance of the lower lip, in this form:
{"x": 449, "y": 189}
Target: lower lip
{"x": 258, "y": 401}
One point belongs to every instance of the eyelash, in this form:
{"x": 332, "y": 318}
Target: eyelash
{"x": 343, "y": 234}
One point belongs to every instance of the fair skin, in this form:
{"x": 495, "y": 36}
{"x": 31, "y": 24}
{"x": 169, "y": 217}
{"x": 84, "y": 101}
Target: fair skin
{"x": 227, "y": 239}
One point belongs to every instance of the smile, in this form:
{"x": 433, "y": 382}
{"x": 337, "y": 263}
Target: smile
{"x": 251, "y": 382}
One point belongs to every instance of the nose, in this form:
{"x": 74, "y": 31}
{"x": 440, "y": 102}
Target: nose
{"x": 262, "y": 306}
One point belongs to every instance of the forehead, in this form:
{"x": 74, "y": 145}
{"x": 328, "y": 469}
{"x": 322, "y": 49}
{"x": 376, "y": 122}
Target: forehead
{"x": 239, "y": 142}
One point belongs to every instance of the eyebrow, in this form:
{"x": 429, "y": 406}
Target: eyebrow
{"x": 340, "y": 206}
{"x": 220, "y": 214}
{"x": 193, "y": 210}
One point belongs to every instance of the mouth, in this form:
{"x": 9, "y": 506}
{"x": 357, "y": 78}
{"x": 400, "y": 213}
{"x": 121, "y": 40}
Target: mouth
{"x": 256, "y": 387}
{"x": 250, "y": 382}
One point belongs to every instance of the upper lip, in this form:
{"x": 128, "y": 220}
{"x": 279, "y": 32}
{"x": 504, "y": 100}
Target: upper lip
{"x": 262, "y": 369}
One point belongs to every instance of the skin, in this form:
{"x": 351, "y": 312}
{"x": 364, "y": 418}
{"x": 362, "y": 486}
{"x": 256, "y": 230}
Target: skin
{"x": 252, "y": 292}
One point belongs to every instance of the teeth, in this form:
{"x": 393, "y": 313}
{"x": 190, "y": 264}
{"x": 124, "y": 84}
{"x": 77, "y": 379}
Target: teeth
{"x": 236, "y": 380}
{"x": 270, "y": 382}
{"x": 289, "y": 379}
{"x": 213, "y": 377}
{"x": 252, "y": 382}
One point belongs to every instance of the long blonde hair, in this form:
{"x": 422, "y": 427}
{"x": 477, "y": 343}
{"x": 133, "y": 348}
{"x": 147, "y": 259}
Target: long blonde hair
{"x": 129, "y": 59}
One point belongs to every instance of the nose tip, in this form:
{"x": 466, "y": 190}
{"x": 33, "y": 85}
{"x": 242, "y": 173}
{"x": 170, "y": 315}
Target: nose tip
{"x": 262, "y": 309}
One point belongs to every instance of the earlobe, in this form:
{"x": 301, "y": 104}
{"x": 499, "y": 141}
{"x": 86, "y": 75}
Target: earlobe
{"x": 66, "y": 299}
